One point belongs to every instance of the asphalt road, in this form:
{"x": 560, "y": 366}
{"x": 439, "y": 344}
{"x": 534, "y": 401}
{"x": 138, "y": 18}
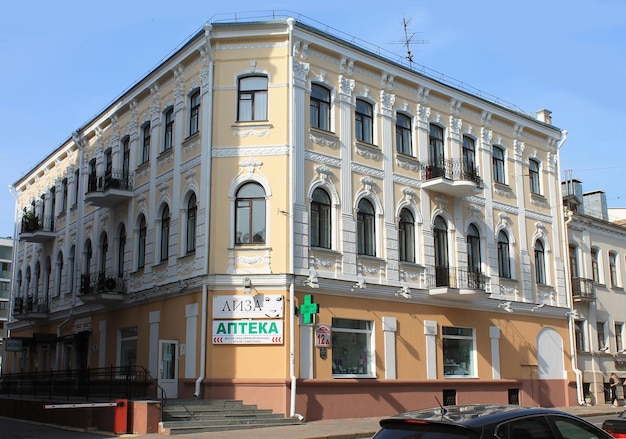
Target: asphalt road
{"x": 15, "y": 429}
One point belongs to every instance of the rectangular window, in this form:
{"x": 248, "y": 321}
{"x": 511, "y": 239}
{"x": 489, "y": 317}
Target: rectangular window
{"x": 353, "y": 350}
{"x": 252, "y": 98}
{"x": 320, "y": 107}
{"x": 194, "y": 113}
{"x": 498, "y": 165}
{"x": 613, "y": 268}
{"x": 595, "y": 273}
{"x": 459, "y": 353}
{"x": 145, "y": 150}
{"x": 168, "y": 134}
{"x": 64, "y": 195}
{"x": 619, "y": 334}
{"x": 579, "y": 329}
{"x": 403, "y": 134}
{"x": 533, "y": 169}
{"x": 601, "y": 336}
{"x": 364, "y": 122}
{"x": 128, "y": 347}
{"x": 76, "y": 186}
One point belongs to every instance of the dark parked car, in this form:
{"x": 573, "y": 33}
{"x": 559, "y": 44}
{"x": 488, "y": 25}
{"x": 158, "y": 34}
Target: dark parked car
{"x": 617, "y": 426}
{"x": 487, "y": 421}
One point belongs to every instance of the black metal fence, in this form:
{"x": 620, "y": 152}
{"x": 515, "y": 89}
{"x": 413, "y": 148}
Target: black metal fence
{"x": 456, "y": 277}
{"x": 112, "y": 179}
{"x": 88, "y": 384}
{"x": 452, "y": 169}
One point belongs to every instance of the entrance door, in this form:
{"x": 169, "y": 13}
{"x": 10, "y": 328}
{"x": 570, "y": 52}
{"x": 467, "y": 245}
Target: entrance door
{"x": 168, "y": 367}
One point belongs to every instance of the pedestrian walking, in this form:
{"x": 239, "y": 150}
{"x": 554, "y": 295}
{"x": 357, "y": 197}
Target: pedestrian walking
{"x": 613, "y": 382}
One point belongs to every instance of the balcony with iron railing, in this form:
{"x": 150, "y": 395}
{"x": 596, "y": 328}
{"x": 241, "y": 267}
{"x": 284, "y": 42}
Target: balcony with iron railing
{"x": 30, "y": 308}
{"x": 36, "y": 229}
{"x": 108, "y": 189}
{"x": 583, "y": 289}
{"x": 102, "y": 288}
{"x": 455, "y": 177}
{"x": 455, "y": 282}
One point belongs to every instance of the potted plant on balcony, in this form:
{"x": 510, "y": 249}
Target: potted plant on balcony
{"x": 29, "y": 221}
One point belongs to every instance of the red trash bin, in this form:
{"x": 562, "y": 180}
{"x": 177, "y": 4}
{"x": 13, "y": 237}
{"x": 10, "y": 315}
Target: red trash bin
{"x": 120, "y": 421}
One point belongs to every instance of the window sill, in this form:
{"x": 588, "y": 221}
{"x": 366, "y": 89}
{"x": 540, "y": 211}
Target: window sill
{"x": 367, "y": 150}
{"x": 539, "y": 200}
{"x": 502, "y": 189}
{"x": 142, "y": 166}
{"x": 323, "y": 138}
{"x": 408, "y": 162}
{"x": 248, "y": 128}
{"x": 189, "y": 255}
{"x": 349, "y": 375}
{"x": 165, "y": 153}
{"x": 191, "y": 137}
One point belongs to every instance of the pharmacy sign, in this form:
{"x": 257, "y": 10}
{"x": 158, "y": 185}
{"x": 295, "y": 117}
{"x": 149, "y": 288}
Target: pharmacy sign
{"x": 248, "y": 332}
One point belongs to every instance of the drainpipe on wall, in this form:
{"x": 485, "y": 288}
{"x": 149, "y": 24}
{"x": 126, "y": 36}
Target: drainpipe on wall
{"x": 207, "y": 119}
{"x": 570, "y": 317}
{"x": 292, "y": 295}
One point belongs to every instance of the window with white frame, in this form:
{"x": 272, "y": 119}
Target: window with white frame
{"x": 165, "y": 233}
{"x": 252, "y": 98}
{"x": 406, "y": 236}
{"x": 403, "y": 134}
{"x": 194, "y": 113}
{"x": 579, "y": 330}
{"x": 533, "y": 170}
{"x": 601, "y": 330}
{"x": 504, "y": 259}
{"x": 192, "y": 214}
{"x": 127, "y": 348}
{"x": 168, "y": 129}
{"x": 540, "y": 263}
{"x": 145, "y": 143}
{"x": 498, "y": 165}
{"x": 469, "y": 158}
{"x": 595, "y": 272}
{"x": 366, "y": 228}
{"x": 141, "y": 242}
{"x": 320, "y": 227}
{"x": 64, "y": 192}
{"x": 353, "y": 348}
{"x": 459, "y": 351}
{"x": 250, "y": 214}
{"x": 619, "y": 336}
{"x": 613, "y": 269}
{"x": 364, "y": 121}
{"x": 320, "y": 107}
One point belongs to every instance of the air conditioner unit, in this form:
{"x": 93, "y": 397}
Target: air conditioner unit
{"x": 114, "y": 285}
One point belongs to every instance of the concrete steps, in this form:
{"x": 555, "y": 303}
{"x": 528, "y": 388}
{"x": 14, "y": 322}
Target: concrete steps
{"x": 197, "y": 416}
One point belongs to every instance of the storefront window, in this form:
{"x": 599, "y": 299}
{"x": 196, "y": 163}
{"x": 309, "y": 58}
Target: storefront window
{"x": 458, "y": 352}
{"x": 353, "y": 354}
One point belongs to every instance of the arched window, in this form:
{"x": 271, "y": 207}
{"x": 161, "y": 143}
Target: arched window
{"x": 250, "y": 214}
{"x": 252, "y": 98}
{"x": 194, "y": 113}
{"x": 141, "y": 242}
{"x": 165, "y": 233}
{"x": 320, "y": 219}
{"x": 474, "y": 260}
{"x": 58, "y": 274}
{"x": 406, "y": 236}
{"x": 540, "y": 263}
{"x": 121, "y": 251}
{"x": 366, "y": 228}
{"x": 320, "y": 107}
{"x": 504, "y": 260}
{"x": 442, "y": 263}
{"x": 403, "y": 134}
{"x": 104, "y": 253}
{"x": 364, "y": 121}
{"x": 192, "y": 213}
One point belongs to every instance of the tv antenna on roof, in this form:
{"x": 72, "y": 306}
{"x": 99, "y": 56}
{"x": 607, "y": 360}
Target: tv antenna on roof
{"x": 408, "y": 39}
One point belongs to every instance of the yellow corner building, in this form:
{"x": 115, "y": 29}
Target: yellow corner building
{"x": 277, "y": 215}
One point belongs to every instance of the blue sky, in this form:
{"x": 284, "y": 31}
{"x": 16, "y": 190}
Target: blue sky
{"x": 62, "y": 62}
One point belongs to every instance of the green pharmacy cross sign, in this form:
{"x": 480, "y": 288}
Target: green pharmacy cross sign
{"x": 308, "y": 310}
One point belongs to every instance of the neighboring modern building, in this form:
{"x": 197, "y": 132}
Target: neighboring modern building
{"x": 597, "y": 252}
{"x": 264, "y": 162}
{"x": 6, "y": 256}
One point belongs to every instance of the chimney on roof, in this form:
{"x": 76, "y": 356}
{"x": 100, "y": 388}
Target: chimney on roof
{"x": 545, "y": 116}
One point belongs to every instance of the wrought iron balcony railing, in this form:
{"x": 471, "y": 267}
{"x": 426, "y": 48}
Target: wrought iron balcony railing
{"x": 113, "y": 179}
{"x": 452, "y": 169}
{"x": 583, "y": 289}
{"x": 455, "y": 277}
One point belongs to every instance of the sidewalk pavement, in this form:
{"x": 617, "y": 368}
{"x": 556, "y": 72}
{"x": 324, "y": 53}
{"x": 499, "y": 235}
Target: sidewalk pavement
{"x": 353, "y": 428}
